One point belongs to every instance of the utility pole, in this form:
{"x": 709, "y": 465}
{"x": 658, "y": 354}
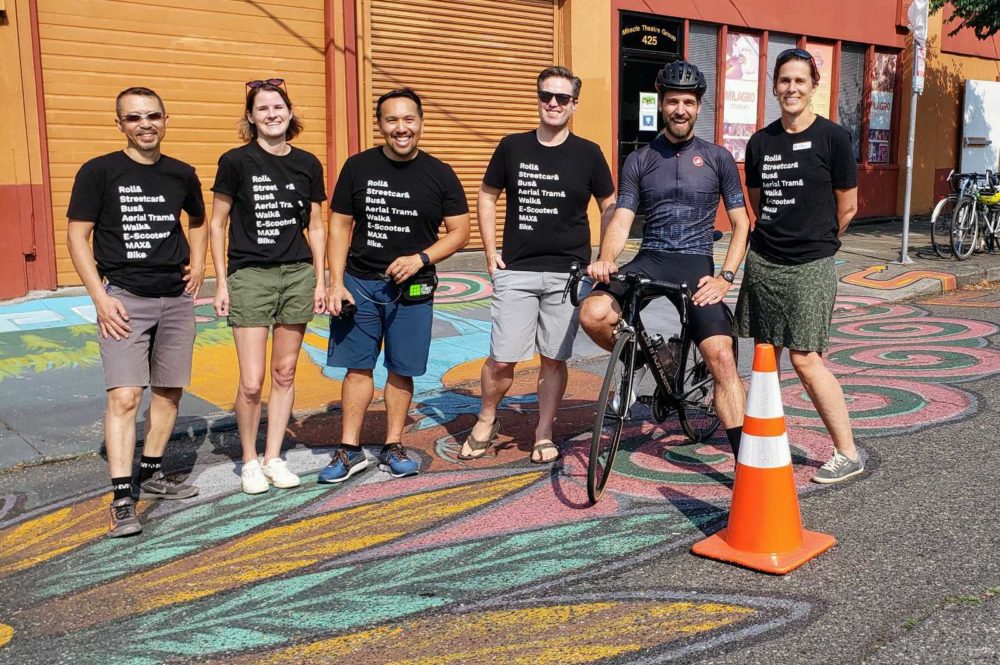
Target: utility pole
{"x": 917, "y": 16}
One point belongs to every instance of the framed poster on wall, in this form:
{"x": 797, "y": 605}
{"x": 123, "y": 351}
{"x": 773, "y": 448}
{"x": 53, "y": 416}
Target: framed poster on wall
{"x": 739, "y": 112}
{"x": 823, "y": 55}
{"x": 880, "y": 113}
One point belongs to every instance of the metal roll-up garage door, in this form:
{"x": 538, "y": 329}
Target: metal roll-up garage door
{"x": 197, "y": 55}
{"x": 474, "y": 64}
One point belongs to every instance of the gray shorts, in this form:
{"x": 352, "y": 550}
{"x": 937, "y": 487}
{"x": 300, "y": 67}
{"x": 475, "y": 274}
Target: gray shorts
{"x": 158, "y": 350}
{"x": 529, "y": 316}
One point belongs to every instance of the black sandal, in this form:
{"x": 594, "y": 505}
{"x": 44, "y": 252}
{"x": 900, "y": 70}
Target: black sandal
{"x": 481, "y": 446}
{"x": 545, "y": 444}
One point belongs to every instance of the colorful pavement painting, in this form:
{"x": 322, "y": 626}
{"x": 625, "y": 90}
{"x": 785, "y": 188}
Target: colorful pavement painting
{"x": 470, "y": 558}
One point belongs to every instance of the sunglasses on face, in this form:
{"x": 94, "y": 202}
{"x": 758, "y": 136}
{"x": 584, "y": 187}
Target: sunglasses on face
{"x": 133, "y": 118}
{"x": 253, "y": 85}
{"x": 544, "y": 96}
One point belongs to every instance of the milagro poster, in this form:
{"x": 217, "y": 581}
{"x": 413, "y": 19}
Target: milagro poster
{"x": 880, "y": 115}
{"x": 739, "y": 115}
{"x": 823, "y": 55}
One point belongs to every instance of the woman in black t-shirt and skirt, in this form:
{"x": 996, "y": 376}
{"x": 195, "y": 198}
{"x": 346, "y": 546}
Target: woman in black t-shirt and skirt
{"x": 269, "y": 193}
{"x": 802, "y": 180}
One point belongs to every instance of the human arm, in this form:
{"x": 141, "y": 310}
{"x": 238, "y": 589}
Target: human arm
{"x": 316, "y": 234}
{"x": 753, "y": 193}
{"x": 847, "y": 207}
{"x": 486, "y": 217}
{"x": 337, "y": 243}
{"x": 221, "y": 205}
{"x": 112, "y": 318}
{"x": 713, "y": 288}
{"x": 615, "y": 234}
{"x": 198, "y": 239}
{"x": 455, "y": 238}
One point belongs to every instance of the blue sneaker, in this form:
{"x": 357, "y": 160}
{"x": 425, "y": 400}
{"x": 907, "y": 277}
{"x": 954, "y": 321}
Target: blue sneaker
{"x": 393, "y": 460}
{"x": 344, "y": 463}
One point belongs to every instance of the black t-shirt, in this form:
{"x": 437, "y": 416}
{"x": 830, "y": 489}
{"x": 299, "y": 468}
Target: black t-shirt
{"x": 139, "y": 244}
{"x": 272, "y": 199}
{"x": 548, "y": 191}
{"x": 397, "y": 206}
{"x": 796, "y": 174}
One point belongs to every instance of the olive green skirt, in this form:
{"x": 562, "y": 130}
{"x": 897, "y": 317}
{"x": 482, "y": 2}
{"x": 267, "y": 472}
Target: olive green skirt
{"x": 787, "y": 305}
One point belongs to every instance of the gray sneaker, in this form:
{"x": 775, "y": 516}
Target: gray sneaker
{"x": 158, "y": 486}
{"x": 838, "y": 468}
{"x": 124, "y": 521}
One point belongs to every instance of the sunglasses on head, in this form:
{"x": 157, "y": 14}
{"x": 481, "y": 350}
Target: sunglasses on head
{"x": 544, "y": 96}
{"x": 253, "y": 85}
{"x": 795, "y": 53}
{"x": 133, "y": 118}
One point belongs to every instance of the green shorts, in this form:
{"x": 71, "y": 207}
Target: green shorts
{"x": 266, "y": 295}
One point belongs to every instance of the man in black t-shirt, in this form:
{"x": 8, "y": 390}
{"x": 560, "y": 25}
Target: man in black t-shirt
{"x": 550, "y": 176}
{"x": 143, "y": 278}
{"x": 387, "y": 206}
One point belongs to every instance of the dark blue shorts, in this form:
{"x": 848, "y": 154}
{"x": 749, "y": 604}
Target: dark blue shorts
{"x": 403, "y": 328}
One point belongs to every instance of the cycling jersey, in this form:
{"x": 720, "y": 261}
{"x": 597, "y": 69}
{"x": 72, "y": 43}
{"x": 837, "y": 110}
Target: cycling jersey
{"x": 677, "y": 186}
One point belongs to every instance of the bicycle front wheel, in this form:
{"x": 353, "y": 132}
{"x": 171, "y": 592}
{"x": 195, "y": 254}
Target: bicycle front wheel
{"x": 941, "y": 226}
{"x": 696, "y": 407}
{"x": 964, "y": 229}
{"x": 612, "y": 408}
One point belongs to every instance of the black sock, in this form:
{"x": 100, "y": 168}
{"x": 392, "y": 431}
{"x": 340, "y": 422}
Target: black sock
{"x": 122, "y": 487}
{"x": 734, "y": 434}
{"x": 149, "y": 466}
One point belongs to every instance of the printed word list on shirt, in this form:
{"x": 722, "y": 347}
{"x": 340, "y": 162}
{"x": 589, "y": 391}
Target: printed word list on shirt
{"x": 779, "y": 190}
{"x": 534, "y": 191}
{"x": 382, "y": 212}
{"x": 272, "y": 213}
{"x": 139, "y": 213}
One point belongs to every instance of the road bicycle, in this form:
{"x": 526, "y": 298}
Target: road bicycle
{"x": 975, "y": 221}
{"x": 684, "y": 386}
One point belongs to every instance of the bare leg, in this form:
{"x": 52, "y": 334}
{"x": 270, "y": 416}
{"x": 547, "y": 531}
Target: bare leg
{"x": 398, "y": 395}
{"x": 285, "y": 345}
{"x": 160, "y": 421}
{"x": 599, "y": 314}
{"x": 828, "y": 397}
{"x": 251, "y": 353}
{"x": 119, "y": 429}
{"x": 551, "y": 388}
{"x": 496, "y": 379}
{"x": 730, "y": 399}
{"x": 356, "y": 396}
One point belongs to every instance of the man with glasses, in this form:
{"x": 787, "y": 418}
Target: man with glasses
{"x": 677, "y": 180}
{"x": 550, "y": 176}
{"x": 143, "y": 278}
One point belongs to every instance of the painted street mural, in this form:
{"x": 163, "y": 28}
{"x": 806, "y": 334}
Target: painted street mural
{"x": 492, "y": 548}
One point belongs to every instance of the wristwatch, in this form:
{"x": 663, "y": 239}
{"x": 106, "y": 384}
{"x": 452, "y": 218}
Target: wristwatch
{"x": 423, "y": 257}
{"x": 729, "y": 276}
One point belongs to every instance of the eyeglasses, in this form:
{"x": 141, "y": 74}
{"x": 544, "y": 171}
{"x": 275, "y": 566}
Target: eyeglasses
{"x": 133, "y": 118}
{"x": 795, "y": 53}
{"x": 544, "y": 96}
{"x": 253, "y": 85}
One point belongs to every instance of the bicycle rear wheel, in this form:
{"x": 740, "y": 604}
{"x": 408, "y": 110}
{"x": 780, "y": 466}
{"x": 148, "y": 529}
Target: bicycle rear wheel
{"x": 696, "y": 409}
{"x": 941, "y": 226}
{"x": 964, "y": 229}
{"x": 612, "y": 408}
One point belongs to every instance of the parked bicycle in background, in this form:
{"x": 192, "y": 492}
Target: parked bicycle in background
{"x": 975, "y": 221}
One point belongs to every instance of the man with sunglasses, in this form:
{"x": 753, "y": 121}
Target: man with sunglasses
{"x": 143, "y": 278}
{"x": 678, "y": 180}
{"x": 550, "y": 176}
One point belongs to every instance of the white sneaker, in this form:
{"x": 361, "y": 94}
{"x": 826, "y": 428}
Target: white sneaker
{"x": 254, "y": 480}
{"x": 277, "y": 473}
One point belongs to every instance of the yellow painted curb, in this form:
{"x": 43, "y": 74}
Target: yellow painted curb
{"x": 6, "y": 633}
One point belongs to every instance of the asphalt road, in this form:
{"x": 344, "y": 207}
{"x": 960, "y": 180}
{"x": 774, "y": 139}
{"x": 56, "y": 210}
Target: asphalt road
{"x": 914, "y": 577}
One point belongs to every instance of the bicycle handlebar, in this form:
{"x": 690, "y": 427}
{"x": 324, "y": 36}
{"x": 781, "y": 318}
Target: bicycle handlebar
{"x": 577, "y": 273}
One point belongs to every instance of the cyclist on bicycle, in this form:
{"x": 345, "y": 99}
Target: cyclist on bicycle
{"x": 678, "y": 180}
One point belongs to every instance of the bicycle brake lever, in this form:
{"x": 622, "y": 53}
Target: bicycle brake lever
{"x": 574, "y": 272}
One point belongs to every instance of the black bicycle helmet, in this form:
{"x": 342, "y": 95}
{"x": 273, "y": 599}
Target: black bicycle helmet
{"x": 681, "y": 75}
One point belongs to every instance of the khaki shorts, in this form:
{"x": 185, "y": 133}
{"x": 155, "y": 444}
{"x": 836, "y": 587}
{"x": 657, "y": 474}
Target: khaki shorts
{"x": 158, "y": 350}
{"x": 266, "y": 295}
{"x": 529, "y": 315}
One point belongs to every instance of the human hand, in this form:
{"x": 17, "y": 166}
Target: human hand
{"x": 112, "y": 318}
{"x": 494, "y": 262}
{"x": 601, "y": 271}
{"x": 194, "y": 276}
{"x": 335, "y": 297}
{"x": 319, "y": 299}
{"x": 710, "y": 290}
{"x": 221, "y": 300}
{"x": 404, "y": 268}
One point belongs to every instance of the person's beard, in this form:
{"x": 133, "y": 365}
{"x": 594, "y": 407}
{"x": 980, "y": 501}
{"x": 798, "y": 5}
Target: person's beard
{"x": 688, "y": 130}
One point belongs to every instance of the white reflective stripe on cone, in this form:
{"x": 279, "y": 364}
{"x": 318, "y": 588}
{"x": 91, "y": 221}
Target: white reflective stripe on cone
{"x": 765, "y": 452}
{"x": 764, "y": 396}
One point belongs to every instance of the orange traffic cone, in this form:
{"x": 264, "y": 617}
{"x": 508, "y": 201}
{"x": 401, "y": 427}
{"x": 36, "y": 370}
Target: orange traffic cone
{"x": 765, "y": 527}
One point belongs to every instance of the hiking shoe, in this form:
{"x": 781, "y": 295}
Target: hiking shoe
{"x": 124, "y": 521}
{"x": 393, "y": 460}
{"x": 344, "y": 463}
{"x": 158, "y": 486}
{"x": 838, "y": 468}
{"x": 253, "y": 479}
{"x": 277, "y": 473}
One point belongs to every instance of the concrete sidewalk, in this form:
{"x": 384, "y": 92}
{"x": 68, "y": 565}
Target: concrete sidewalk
{"x": 51, "y": 385}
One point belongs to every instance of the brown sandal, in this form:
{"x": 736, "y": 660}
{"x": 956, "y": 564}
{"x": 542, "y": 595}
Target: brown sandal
{"x": 543, "y": 445}
{"x": 476, "y": 445}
